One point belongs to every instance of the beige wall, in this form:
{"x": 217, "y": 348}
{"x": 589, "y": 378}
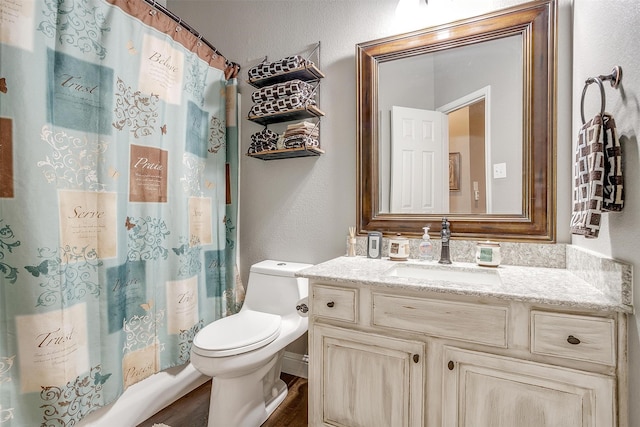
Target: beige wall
{"x": 606, "y": 34}
{"x": 300, "y": 209}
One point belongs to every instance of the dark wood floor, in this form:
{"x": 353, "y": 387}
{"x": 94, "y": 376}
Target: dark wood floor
{"x": 192, "y": 410}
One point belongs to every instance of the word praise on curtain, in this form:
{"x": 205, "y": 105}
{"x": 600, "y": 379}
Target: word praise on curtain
{"x": 118, "y": 201}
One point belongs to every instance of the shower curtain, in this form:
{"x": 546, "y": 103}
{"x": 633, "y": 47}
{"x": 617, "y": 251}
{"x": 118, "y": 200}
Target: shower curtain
{"x": 118, "y": 190}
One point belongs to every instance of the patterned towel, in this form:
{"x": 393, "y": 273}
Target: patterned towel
{"x": 282, "y": 90}
{"x": 264, "y": 140}
{"x": 300, "y": 141}
{"x": 614, "y": 180}
{"x": 597, "y": 175}
{"x": 280, "y": 105}
{"x": 266, "y": 69}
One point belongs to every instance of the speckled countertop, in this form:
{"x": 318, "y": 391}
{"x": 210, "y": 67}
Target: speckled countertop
{"x": 553, "y": 286}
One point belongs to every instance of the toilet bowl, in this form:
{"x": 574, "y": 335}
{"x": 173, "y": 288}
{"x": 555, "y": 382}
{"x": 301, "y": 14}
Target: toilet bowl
{"x": 243, "y": 352}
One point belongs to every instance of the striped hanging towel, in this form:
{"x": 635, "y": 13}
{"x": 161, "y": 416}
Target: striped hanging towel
{"x": 613, "y": 190}
{"x": 598, "y": 180}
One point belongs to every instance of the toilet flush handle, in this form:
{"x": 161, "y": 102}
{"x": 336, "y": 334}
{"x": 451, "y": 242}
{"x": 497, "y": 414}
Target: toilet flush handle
{"x": 303, "y": 308}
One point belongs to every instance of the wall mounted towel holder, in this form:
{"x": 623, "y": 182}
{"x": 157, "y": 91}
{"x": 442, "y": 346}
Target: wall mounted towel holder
{"x": 614, "y": 79}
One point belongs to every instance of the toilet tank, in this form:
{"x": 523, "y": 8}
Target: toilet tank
{"x": 273, "y": 287}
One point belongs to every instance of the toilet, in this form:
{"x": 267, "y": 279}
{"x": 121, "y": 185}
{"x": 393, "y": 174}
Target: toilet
{"x": 243, "y": 352}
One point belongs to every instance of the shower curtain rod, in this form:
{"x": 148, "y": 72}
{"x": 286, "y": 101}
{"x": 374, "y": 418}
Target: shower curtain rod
{"x": 187, "y": 27}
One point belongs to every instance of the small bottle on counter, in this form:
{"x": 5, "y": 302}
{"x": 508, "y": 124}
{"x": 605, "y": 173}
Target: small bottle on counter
{"x": 425, "y": 250}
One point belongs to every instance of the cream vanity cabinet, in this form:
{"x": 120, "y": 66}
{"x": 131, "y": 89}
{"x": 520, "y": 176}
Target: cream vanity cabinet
{"x": 382, "y": 356}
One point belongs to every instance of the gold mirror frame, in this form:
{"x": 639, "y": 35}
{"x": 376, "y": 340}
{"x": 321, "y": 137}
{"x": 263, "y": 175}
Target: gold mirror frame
{"x": 536, "y": 22}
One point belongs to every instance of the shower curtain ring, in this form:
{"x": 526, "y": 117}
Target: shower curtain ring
{"x": 179, "y": 28}
{"x": 153, "y": 11}
{"x": 199, "y": 40}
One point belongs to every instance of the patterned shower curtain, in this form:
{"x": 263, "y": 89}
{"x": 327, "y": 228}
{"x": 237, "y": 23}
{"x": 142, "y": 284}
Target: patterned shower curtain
{"x": 118, "y": 190}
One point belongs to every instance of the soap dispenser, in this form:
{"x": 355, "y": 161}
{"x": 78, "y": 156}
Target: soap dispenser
{"x": 425, "y": 249}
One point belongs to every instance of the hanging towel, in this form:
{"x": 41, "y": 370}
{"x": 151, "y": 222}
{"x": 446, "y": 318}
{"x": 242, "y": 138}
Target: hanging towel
{"x": 613, "y": 196}
{"x": 588, "y": 174}
{"x": 598, "y": 180}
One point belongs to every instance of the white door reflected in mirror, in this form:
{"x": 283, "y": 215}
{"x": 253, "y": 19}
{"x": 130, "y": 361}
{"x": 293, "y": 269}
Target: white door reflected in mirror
{"x": 419, "y": 161}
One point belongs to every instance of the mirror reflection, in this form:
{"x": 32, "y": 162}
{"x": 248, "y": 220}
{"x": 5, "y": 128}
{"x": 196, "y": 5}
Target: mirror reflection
{"x": 501, "y": 68}
{"x": 451, "y": 130}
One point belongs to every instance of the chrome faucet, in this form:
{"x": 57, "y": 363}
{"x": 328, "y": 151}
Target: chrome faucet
{"x": 445, "y": 235}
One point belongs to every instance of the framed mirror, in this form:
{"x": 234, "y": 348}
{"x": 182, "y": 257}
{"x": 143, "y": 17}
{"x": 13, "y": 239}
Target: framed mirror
{"x": 459, "y": 121}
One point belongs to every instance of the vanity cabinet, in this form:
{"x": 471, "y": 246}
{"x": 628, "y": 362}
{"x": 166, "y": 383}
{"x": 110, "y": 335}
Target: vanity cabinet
{"x": 485, "y": 390}
{"x": 382, "y": 356}
{"x": 367, "y": 379}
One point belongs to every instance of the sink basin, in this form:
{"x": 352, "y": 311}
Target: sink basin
{"x": 447, "y": 274}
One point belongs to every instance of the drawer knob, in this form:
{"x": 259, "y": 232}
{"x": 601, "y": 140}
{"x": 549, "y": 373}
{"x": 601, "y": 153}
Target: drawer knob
{"x": 416, "y": 358}
{"x": 450, "y": 365}
{"x": 573, "y": 340}
{"x": 330, "y": 304}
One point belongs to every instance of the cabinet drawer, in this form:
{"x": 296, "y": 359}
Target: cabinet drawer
{"x": 576, "y": 337}
{"x": 469, "y": 322}
{"x": 334, "y": 303}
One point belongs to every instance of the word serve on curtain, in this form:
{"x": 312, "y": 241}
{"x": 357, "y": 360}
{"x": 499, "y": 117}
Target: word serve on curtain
{"x": 118, "y": 190}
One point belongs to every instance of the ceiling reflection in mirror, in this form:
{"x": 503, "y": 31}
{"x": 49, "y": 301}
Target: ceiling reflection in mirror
{"x": 446, "y": 120}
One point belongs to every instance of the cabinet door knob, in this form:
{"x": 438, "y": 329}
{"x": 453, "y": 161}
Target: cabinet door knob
{"x": 450, "y": 365}
{"x": 330, "y": 304}
{"x": 573, "y": 340}
{"x": 416, "y": 358}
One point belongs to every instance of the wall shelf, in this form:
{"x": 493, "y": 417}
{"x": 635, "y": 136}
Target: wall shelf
{"x": 304, "y": 113}
{"x": 287, "y": 153}
{"x": 308, "y": 73}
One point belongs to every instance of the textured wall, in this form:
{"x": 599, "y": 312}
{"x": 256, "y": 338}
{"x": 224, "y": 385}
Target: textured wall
{"x": 300, "y": 209}
{"x": 606, "y": 34}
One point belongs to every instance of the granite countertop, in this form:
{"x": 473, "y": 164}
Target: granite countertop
{"x": 553, "y": 286}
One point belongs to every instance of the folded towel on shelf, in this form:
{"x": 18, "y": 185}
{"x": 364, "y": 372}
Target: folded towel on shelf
{"x": 303, "y": 128}
{"x": 266, "y": 69}
{"x": 300, "y": 141}
{"x": 253, "y": 149}
{"x": 280, "y": 105}
{"x": 283, "y": 90}
{"x": 598, "y": 164}
{"x": 265, "y": 135}
{"x": 264, "y": 140}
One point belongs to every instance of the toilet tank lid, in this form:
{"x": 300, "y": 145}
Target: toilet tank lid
{"x": 279, "y": 268}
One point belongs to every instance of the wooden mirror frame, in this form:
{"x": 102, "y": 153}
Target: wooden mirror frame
{"x": 536, "y": 22}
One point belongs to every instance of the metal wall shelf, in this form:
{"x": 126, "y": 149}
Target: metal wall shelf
{"x": 308, "y": 73}
{"x": 287, "y": 153}
{"x": 286, "y": 116}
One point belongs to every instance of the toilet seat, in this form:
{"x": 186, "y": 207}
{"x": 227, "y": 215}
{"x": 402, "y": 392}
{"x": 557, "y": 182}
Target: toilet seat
{"x": 238, "y": 333}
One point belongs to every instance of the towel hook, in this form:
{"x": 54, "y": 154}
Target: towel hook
{"x": 602, "y": 96}
{"x": 614, "y": 78}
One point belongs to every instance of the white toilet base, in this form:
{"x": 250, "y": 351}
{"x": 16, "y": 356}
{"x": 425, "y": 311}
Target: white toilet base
{"x": 247, "y": 400}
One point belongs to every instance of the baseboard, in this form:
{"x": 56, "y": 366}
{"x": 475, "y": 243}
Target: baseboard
{"x": 295, "y": 364}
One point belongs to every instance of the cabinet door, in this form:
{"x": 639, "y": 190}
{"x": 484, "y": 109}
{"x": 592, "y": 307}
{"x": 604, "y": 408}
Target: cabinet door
{"x": 364, "y": 380}
{"x": 482, "y": 390}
